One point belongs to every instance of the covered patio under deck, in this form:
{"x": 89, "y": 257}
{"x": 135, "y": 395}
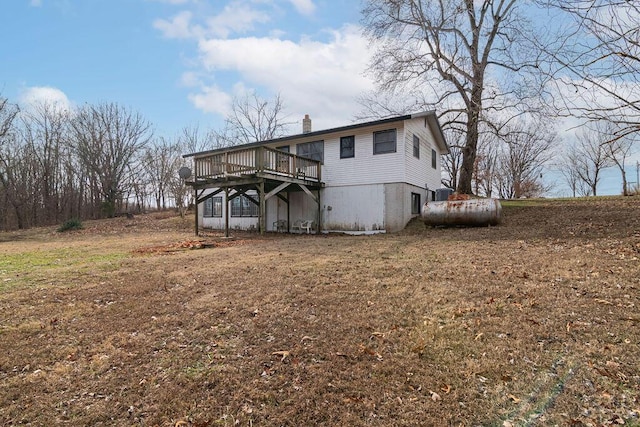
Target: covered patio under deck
{"x": 268, "y": 171}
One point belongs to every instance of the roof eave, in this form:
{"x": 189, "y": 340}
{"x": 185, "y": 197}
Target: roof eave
{"x": 302, "y": 135}
{"x": 436, "y": 130}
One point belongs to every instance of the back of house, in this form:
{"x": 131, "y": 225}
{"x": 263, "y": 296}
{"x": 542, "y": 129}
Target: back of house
{"x": 362, "y": 178}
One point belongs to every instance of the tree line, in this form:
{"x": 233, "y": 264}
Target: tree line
{"x": 97, "y": 161}
{"x": 104, "y": 160}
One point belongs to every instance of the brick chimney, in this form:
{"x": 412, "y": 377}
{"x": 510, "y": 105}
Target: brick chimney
{"x": 306, "y": 124}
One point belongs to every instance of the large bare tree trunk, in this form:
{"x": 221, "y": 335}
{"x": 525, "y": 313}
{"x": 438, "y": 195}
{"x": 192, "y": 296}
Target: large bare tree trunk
{"x": 449, "y": 49}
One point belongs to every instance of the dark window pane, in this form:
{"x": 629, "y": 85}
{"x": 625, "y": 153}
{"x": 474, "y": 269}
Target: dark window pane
{"x": 384, "y": 141}
{"x": 311, "y": 150}
{"x": 416, "y": 146}
{"x": 415, "y": 203}
{"x": 217, "y": 207}
{"x": 241, "y": 206}
{"x": 347, "y": 147}
{"x": 208, "y": 208}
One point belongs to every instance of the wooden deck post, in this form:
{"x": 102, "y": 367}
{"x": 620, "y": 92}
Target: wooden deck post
{"x": 288, "y": 213}
{"x": 226, "y": 212}
{"x": 263, "y": 208}
{"x": 196, "y": 209}
{"x": 318, "y": 231}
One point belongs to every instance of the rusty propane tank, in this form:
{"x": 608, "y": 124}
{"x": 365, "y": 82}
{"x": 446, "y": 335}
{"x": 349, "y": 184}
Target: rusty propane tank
{"x": 470, "y": 212}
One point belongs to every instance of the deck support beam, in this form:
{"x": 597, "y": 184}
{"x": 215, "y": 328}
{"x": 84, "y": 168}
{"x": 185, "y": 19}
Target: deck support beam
{"x": 319, "y": 228}
{"x": 226, "y": 212}
{"x": 263, "y": 208}
{"x": 276, "y": 190}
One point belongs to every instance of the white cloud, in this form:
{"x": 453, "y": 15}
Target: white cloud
{"x": 190, "y": 79}
{"x": 304, "y": 7}
{"x": 236, "y": 17}
{"x": 212, "y": 100}
{"x": 35, "y": 95}
{"x": 321, "y": 76}
{"x": 179, "y": 27}
{"x": 322, "y": 79}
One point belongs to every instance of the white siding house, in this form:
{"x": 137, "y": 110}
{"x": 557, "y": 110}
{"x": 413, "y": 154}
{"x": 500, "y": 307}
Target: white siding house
{"x": 362, "y": 178}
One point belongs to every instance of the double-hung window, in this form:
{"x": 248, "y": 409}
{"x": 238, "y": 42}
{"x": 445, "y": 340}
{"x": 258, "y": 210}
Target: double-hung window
{"x": 311, "y": 150}
{"x": 384, "y": 141}
{"x": 213, "y": 207}
{"x": 434, "y": 159}
{"x": 347, "y": 146}
{"x": 416, "y": 147}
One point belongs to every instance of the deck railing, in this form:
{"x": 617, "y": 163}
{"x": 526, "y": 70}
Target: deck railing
{"x": 251, "y": 161}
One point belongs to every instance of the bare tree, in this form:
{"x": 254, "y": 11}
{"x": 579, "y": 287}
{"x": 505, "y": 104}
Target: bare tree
{"x": 568, "y": 168}
{"x": 470, "y": 54}
{"x": 526, "y": 150}
{"x": 485, "y": 173}
{"x": 8, "y": 113}
{"x": 618, "y": 151}
{"x": 588, "y": 158}
{"x": 8, "y": 162}
{"x": 192, "y": 139}
{"x": 107, "y": 137}
{"x": 452, "y": 162}
{"x": 252, "y": 119}
{"x": 161, "y": 160}
{"x": 597, "y": 61}
{"x": 45, "y": 130}
{"x": 18, "y": 179}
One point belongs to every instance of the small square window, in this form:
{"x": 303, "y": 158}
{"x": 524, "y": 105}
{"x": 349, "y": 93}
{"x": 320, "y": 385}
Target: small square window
{"x": 384, "y": 141}
{"x": 434, "y": 157}
{"x": 416, "y": 147}
{"x": 347, "y": 147}
{"x": 415, "y": 203}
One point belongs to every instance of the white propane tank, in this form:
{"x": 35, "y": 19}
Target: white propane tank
{"x": 470, "y": 212}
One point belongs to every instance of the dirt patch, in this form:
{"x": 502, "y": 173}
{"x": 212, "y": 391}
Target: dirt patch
{"x": 534, "y": 322}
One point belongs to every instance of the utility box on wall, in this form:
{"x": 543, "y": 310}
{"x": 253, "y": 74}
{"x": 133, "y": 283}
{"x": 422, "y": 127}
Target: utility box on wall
{"x": 443, "y": 194}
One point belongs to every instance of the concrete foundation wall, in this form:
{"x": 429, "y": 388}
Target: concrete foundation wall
{"x": 353, "y": 208}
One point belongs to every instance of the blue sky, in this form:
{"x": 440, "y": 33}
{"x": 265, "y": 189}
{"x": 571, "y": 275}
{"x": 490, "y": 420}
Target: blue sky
{"x": 181, "y": 62}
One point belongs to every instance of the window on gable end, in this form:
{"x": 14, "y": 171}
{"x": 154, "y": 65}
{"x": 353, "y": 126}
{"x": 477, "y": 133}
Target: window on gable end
{"x": 416, "y": 147}
{"x": 434, "y": 159}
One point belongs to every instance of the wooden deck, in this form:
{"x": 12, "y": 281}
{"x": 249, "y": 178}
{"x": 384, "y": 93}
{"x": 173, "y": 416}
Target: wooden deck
{"x": 261, "y": 162}
{"x": 268, "y": 171}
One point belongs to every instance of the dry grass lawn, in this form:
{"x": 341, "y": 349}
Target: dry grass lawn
{"x": 532, "y": 323}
